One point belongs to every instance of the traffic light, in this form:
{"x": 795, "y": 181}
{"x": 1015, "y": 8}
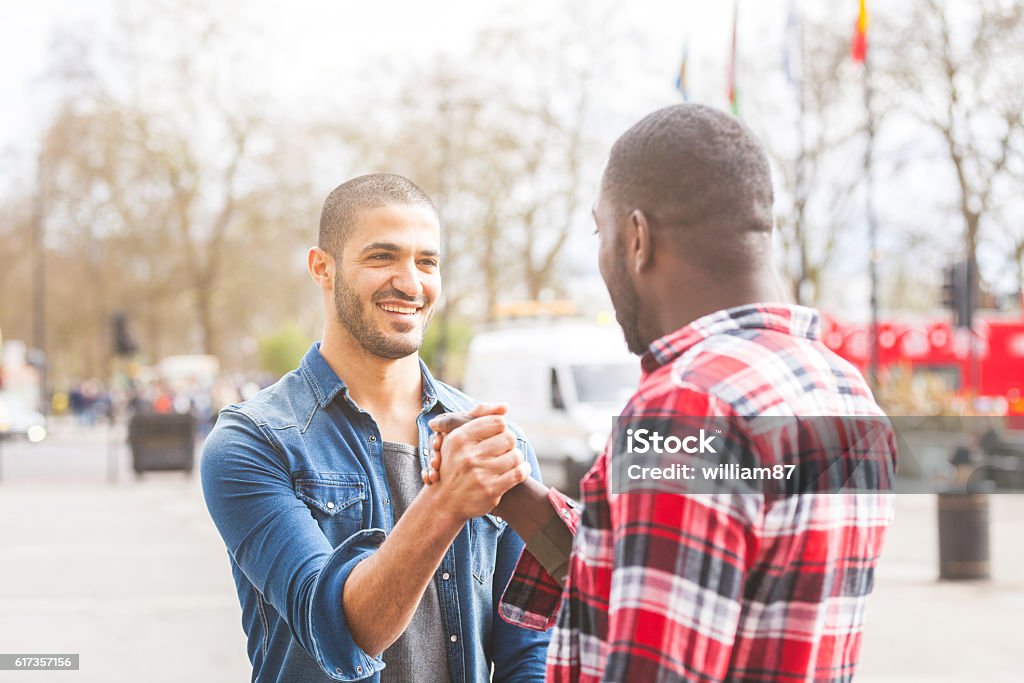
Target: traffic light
{"x": 958, "y": 292}
{"x": 949, "y": 287}
{"x": 124, "y": 344}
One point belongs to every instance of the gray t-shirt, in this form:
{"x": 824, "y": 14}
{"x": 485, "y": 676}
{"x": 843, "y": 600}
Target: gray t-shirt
{"x": 419, "y": 654}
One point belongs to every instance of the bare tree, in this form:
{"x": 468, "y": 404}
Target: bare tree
{"x": 505, "y": 158}
{"x": 810, "y": 135}
{"x": 166, "y": 195}
{"x": 957, "y": 73}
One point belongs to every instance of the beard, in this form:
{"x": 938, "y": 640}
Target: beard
{"x": 627, "y": 307}
{"x": 359, "y": 323}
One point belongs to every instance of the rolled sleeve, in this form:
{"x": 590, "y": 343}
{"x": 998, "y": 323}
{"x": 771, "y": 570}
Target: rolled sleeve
{"x": 279, "y": 546}
{"x": 333, "y": 647}
{"x": 533, "y": 597}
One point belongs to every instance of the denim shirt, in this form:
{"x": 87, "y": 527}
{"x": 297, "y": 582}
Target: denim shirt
{"x": 294, "y": 480}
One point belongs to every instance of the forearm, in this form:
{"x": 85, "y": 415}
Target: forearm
{"x": 528, "y": 510}
{"x": 384, "y": 590}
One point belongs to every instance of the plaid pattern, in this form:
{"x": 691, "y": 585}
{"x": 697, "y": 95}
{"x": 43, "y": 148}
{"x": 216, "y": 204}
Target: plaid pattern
{"x": 717, "y": 586}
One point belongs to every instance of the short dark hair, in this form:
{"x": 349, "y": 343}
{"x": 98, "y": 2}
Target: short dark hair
{"x": 345, "y": 202}
{"x": 692, "y": 165}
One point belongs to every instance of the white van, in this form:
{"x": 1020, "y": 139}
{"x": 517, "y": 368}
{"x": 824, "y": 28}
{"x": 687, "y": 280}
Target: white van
{"x": 564, "y": 381}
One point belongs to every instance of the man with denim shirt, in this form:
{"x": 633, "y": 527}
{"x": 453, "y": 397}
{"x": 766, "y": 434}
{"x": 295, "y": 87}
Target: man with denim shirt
{"x": 345, "y": 570}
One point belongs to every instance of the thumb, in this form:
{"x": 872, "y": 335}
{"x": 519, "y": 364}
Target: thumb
{"x": 481, "y": 409}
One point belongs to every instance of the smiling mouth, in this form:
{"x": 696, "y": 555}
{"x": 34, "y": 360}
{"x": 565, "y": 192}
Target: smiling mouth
{"x": 401, "y": 310}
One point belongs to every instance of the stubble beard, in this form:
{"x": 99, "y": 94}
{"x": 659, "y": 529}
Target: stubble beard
{"x": 627, "y": 308}
{"x": 354, "y": 318}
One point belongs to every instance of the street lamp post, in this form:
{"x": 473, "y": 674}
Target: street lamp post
{"x": 39, "y": 276}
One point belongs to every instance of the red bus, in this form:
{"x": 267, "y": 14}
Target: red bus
{"x": 935, "y": 348}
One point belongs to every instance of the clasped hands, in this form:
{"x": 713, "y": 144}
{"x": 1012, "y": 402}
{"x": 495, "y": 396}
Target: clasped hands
{"x": 475, "y": 458}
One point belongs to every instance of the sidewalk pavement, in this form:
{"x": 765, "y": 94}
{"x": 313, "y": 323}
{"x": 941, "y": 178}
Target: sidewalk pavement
{"x": 923, "y": 629}
{"x": 134, "y": 577}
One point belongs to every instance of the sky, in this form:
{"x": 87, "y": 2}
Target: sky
{"x": 307, "y": 49}
{"x": 322, "y": 37}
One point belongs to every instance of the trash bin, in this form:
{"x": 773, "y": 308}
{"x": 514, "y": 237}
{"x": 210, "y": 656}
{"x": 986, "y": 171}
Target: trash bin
{"x": 162, "y": 442}
{"x": 963, "y": 536}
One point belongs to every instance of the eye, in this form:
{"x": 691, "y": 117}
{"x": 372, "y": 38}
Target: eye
{"x": 381, "y": 257}
{"x": 429, "y": 262}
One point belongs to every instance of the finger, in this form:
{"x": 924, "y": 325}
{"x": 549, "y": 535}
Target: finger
{"x": 503, "y": 463}
{"x": 496, "y": 445}
{"x": 443, "y": 424}
{"x": 514, "y": 477}
{"x": 481, "y": 428}
{"x": 481, "y": 409}
{"x": 449, "y": 421}
{"x": 434, "y": 475}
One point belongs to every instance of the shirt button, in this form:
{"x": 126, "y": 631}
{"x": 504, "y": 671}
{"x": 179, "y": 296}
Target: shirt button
{"x": 453, "y": 638}
{"x": 330, "y": 506}
{"x": 565, "y": 513}
{"x": 498, "y": 518}
{"x": 446, "y": 576}
{"x": 359, "y": 670}
{"x": 426, "y": 451}
{"x": 372, "y": 437}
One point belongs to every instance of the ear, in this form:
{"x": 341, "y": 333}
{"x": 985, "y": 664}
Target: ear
{"x": 638, "y": 241}
{"x": 320, "y": 265}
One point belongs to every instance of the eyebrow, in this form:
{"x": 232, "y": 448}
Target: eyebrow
{"x": 391, "y": 246}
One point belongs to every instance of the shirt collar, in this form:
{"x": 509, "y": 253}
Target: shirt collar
{"x": 326, "y": 384}
{"x": 796, "y": 321}
{"x": 435, "y": 392}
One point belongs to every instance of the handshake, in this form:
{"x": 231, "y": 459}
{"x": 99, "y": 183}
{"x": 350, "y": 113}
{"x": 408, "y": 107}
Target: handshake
{"x": 475, "y": 459}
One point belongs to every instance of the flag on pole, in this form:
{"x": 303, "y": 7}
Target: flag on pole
{"x": 734, "y": 101}
{"x": 859, "y": 50}
{"x": 681, "y": 85}
{"x": 792, "y": 60}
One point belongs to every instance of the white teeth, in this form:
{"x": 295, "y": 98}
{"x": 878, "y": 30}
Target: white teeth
{"x": 398, "y": 309}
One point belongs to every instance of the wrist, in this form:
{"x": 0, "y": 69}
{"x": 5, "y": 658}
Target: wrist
{"x": 441, "y": 508}
{"x": 526, "y": 507}
{"x": 510, "y": 500}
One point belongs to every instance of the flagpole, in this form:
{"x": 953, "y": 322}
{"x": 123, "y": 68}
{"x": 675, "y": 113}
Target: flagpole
{"x": 734, "y": 103}
{"x": 801, "y": 149}
{"x": 872, "y": 220}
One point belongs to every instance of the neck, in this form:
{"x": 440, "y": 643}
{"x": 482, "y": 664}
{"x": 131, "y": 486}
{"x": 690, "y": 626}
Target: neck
{"x": 378, "y": 385}
{"x": 708, "y": 295}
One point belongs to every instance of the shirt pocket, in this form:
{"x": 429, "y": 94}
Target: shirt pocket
{"x": 484, "y": 533}
{"x": 335, "y": 499}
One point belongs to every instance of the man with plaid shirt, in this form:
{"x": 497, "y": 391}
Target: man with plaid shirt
{"x": 650, "y": 585}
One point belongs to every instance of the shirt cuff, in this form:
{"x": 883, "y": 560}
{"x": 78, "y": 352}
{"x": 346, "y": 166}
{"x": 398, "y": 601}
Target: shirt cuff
{"x": 532, "y": 598}
{"x": 334, "y": 648}
{"x": 566, "y": 508}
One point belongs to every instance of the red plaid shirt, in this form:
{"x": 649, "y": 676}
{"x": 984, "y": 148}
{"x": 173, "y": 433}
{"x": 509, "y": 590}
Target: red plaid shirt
{"x": 716, "y": 587}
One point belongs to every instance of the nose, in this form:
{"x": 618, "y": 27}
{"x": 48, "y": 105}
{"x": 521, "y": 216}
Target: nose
{"x": 407, "y": 279}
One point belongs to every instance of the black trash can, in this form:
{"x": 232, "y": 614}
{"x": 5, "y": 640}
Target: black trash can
{"x": 162, "y": 442}
{"x": 963, "y": 536}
